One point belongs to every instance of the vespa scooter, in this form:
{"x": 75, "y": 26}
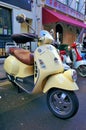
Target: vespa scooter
{"x": 43, "y": 72}
{"x": 74, "y": 58}
{"x": 78, "y": 62}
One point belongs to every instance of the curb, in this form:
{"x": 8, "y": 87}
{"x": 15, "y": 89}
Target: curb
{"x": 4, "y": 83}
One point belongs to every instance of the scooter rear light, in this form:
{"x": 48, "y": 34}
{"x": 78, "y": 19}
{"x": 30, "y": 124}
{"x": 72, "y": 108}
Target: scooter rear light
{"x": 74, "y": 75}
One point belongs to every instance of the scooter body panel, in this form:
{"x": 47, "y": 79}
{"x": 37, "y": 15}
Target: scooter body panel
{"x": 47, "y": 62}
{"x": 78, "y": 63}
{"x": 61, "y": 81}
{"x": 47, "y": 73}
{"x": 16, "y": 68}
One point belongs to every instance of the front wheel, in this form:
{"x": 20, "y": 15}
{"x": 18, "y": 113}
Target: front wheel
{"x": 82, "y": 70}
{"x": 63, "y": 104}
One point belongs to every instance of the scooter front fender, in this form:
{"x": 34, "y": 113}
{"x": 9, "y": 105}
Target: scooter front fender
{"x": 60, "y": 81}
{"x": 78, "y": 63}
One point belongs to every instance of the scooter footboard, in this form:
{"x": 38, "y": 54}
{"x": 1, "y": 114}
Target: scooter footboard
{"x": 60, "y": 81}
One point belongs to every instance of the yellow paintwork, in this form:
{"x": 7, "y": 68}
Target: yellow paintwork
{"x": 50, "y": 75}
{"x": 11, "y": 65}
{"x": 58, "y": 78}
{"x": 51, "y": 67}
{"x": 16, "y": 68}
{"x": 69, "y": 74}
{"x": 60, "y": 81}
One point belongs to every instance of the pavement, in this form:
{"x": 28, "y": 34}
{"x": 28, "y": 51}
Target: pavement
{"x": 2, "y": 71}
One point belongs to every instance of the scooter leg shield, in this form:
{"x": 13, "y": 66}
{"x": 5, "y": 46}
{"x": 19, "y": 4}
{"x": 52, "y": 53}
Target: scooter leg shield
{"x": 60, "y": 81}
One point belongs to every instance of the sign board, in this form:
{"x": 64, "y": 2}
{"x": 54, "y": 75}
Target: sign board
{"x": 24, "y": 4}
{"x": 65, "y": 9}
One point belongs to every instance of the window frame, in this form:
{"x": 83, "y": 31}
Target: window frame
{"x": 6, "y": 21}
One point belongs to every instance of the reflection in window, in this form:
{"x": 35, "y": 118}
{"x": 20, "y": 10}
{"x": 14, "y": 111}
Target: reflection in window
{"x": 5, "y": 21}
{"x": 85, "y": 7}
{"x": 67, "y": 2}
{"x": 77, "y": 5}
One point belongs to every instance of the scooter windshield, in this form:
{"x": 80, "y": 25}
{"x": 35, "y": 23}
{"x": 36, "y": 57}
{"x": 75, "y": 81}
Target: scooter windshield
{"x": 43, "y": 33}
{"x": 46, "y": 37}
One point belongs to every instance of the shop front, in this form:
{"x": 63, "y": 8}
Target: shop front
{"x": 5, "y": 28}
{"x": 8, "y": 24}
{"x": 66, "y": 27}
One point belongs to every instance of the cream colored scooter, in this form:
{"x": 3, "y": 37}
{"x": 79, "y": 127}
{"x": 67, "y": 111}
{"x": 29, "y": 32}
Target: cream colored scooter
{"x": 43, "y": 72}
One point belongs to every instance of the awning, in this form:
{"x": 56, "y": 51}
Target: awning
{"x": 50, "y": 16}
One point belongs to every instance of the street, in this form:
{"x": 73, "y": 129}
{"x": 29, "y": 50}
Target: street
{"x": 20, "y": 111}
{"x": 38, "y": 39}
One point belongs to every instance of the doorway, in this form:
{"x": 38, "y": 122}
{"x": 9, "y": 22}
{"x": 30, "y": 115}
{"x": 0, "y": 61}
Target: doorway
{"x": 59, "y": 31}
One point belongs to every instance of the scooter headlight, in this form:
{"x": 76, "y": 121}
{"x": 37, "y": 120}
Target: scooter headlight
{"x": 71, "y": 74}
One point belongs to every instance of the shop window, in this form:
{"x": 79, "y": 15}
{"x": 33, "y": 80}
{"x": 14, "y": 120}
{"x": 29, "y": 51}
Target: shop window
{"x": 5, "y": 21}
{"x": 5, "y": 28}
{"x": 67, "y": 2}
{"x": 77, "y": 5}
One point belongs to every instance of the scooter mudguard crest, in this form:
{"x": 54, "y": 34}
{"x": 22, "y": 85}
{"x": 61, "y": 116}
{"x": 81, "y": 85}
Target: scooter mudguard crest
{"x": 60, "y": 81}
{"x": 78, "y": 63}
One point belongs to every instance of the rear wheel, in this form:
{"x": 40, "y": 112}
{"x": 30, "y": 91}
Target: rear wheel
{"x": 63, "y": 104}
{"x": 82, "y": 70}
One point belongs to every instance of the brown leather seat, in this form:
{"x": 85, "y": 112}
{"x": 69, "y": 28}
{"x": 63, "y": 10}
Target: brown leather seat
{"x": 12, "y": 49}
{"x": 24, "y": 56}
